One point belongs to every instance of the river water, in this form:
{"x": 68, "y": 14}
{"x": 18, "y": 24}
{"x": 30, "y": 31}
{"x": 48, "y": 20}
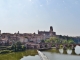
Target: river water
{"x": 52, "y": 54}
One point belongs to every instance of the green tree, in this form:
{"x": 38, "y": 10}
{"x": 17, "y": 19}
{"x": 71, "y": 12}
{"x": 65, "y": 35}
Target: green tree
{"x": 70, "y": 41}
{"x": 18, "y": 47}
{"x": 42, "y": 41}
{"x": 47, "y": 41}
{"x": 64, "y": 41}
{"x": 54, "y": 40}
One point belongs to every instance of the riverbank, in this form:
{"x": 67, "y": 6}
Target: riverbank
{"x": 10, "y": 49}
{"x": 18, "y": 55}
{"x": 32, "y": 53}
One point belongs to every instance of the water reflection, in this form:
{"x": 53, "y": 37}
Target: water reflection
{"x": 73, "y": 52}
{"x": 57, "y": 50}
{"x": 77, "y": 49}
{"x": 64, "y": 51}
{"x": 69, "y": 51}
{"x": 61, "y": 51}
{"x": 57, "y": 56}
{"x": 36, "y": 57}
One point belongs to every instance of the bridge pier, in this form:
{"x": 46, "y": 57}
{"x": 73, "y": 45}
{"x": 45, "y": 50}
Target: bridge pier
{"x": 73, "y": 52}
{"x": 57, "y": 50}
{"x": 57, "y": 46}
{"x": 64, "y": 47}
{"x": 73, "y": 47}
{"x": 64, "y": 51}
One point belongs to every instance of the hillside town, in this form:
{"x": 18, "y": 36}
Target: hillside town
{"x": 30, "y": 40}
{"x": 26, "y": 38}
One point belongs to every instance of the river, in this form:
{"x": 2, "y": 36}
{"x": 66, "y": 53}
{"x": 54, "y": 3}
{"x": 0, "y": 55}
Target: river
{"x": 52, "y": 54}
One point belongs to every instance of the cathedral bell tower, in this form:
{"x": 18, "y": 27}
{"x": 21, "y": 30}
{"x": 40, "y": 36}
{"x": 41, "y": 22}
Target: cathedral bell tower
{"x": 51, "y": 31}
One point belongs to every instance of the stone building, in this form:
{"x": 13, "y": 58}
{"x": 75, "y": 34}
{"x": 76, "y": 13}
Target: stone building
{"x": 47, "y": 34}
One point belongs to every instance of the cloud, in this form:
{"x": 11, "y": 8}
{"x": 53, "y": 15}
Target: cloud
{"x": 76, "y": 2}
{"x": 63, "y": 1}
{"x": 41, "y": 5}
{"x": 47, "y": 2}
{"x": 30, "y": 0}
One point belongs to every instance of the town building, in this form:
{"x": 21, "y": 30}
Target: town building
{"x": 26, "y": 37}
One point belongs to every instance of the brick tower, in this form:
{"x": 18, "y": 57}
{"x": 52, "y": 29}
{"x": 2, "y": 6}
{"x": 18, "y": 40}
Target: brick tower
{"x": 51, "y": 31}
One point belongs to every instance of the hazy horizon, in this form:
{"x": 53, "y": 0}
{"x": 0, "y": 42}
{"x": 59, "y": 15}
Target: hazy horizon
{"x": 29, "y": 16}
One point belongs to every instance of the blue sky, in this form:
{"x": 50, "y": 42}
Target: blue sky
{"x": 33, "y": 15}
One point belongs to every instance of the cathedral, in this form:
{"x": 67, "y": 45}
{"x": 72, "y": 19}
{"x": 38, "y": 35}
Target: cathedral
{"x": 49, "y": 33}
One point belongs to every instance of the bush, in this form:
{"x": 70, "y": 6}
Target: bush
{"x": 61, "y": 46}
{"x": 53, "y": 45}
{"x": 23, "y": 48}
{"x": 9, "y": 48}
{"x": 4, "y": 51}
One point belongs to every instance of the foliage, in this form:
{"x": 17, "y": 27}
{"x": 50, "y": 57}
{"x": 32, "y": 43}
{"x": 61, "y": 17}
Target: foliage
{"x": 64, "y": 41}
{"x": 71, "y": 41}
{"x": 47, "y": 41}
{"x": 18, "y": 47}
{"x": 4, "y": 51}
{"x": 56, "y": 40}
{"x": 52, "y": 40}
{"x": 5, "y": 47}
{"x": 61, "y": 46}
{"x": 53, "y": 45}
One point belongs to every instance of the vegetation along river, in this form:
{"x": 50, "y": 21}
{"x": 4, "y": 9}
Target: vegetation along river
{"x": 52, "y": 54}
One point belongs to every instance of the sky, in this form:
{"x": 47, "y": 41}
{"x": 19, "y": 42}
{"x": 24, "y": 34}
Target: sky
{"x": 29, "y": 16}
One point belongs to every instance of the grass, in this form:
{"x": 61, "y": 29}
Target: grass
{"x": 17, "y": 55}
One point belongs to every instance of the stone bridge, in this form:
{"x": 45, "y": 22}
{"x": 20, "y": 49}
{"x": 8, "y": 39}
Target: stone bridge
{"x": 66, "y": 46}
